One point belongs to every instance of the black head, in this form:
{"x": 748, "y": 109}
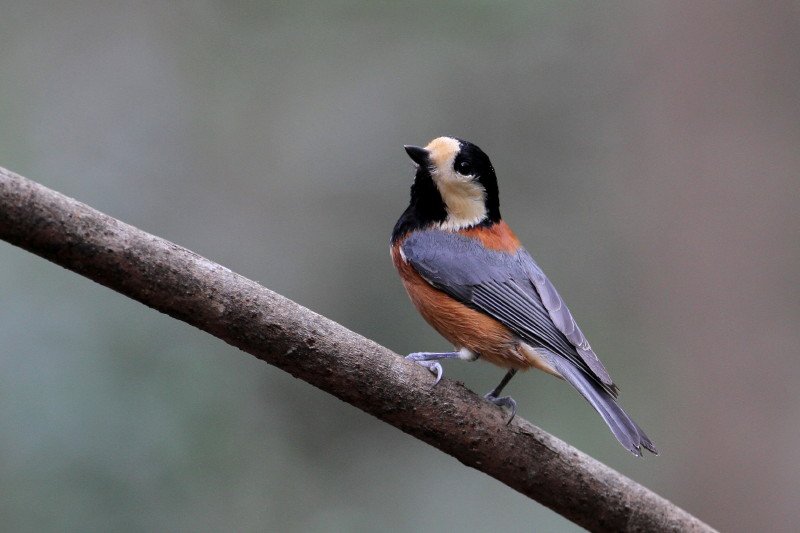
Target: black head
{"x": 455, "y": 188}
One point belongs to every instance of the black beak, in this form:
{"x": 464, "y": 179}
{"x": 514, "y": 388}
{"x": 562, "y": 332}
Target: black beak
{"x": 419, "y": 155}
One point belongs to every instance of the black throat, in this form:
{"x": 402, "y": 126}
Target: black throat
{"x": 426, "y": 207}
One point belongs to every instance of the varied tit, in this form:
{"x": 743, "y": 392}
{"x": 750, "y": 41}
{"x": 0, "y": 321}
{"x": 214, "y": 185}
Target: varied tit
{"x": 470, "y": 278}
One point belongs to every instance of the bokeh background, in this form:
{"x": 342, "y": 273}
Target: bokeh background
{"x": 649, "y": 158}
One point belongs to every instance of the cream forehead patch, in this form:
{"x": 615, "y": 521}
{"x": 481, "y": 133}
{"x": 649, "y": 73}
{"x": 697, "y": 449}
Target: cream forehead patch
{"x": 443, "y": 152}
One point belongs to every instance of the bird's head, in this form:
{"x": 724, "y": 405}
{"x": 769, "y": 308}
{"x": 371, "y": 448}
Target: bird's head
{"x": 455, "y": 186}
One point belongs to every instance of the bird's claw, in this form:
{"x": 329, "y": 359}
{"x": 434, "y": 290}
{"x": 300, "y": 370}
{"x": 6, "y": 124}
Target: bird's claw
{"x": 504, "y": 401}
{"x": 433, "y": 366}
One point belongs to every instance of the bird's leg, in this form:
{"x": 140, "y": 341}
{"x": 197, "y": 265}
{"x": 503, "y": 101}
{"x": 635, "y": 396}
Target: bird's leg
{"x": 504, "y": 401}
{"x": 430, "y": 360}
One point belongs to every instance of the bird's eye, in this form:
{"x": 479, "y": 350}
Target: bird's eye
{"x": 463, "y": 167}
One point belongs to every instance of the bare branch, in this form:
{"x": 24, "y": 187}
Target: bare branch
{"x": 239, "y": 311}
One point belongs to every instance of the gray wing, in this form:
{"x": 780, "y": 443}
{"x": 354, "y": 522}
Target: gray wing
{"x": 562, "y": 318}
{"x": 510, "y": 288}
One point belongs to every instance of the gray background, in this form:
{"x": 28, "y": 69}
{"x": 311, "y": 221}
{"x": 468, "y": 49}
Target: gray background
{"x": 648, "y": 158}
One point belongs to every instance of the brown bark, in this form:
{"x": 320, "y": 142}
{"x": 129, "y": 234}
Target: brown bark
{"x": 239, "y": 311}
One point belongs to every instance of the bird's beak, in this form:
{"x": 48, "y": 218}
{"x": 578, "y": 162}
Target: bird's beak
{"x": 419, "y": 155}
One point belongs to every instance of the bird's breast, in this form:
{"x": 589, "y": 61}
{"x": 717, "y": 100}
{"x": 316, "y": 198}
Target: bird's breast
{"x": 460, "y": 325}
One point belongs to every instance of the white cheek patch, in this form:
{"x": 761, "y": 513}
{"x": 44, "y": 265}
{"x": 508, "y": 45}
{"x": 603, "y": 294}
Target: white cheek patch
{"x": 466, "y": 203}
{"x": 465, "y": 199}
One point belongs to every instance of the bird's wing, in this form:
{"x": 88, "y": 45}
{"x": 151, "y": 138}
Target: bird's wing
{"x": 562, "y": 318}
{"x": 508, "y": 287}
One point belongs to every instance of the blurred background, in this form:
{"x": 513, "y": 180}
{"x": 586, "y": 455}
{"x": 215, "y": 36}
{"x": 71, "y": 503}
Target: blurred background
{"x": 648, "y": 156}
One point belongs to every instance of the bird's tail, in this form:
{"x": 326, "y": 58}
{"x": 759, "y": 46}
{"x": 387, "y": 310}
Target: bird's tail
{"x": 628, "y": 432}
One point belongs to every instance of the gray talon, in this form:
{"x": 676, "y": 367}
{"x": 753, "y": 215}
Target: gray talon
{"x": 430, "y": 360}
{"x": 435, "y": 368}
{"x": 504, "y": 401}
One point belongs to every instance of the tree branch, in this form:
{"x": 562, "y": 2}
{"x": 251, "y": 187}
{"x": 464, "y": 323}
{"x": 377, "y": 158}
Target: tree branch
{"x": 239, "y": 311}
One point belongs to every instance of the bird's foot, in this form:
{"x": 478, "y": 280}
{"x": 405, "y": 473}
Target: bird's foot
{"x": 503, "y": 401}
{"x": 430, "y": 360}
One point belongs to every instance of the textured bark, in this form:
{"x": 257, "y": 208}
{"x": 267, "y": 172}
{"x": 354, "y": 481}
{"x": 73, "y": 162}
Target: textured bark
{"x": 241, "y": 312}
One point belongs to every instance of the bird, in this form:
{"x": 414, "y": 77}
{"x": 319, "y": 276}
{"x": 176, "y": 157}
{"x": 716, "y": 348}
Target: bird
{"x": 471, "y": 279}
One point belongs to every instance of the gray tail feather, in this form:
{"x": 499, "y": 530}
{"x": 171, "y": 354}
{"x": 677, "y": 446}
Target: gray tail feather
{"x": 628, "y": 432}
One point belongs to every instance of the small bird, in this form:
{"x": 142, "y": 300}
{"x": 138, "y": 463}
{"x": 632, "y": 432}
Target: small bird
{"x": 471, "y": 279}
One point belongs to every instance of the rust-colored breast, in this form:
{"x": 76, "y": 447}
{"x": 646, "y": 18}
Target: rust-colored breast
{"x": 460, "y": 325}
{"x": 495, "y": 237}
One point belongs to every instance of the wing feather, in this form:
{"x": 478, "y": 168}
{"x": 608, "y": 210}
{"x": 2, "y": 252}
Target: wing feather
{"x": 508, "y": 287}
{"x": 562, "y": 318}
